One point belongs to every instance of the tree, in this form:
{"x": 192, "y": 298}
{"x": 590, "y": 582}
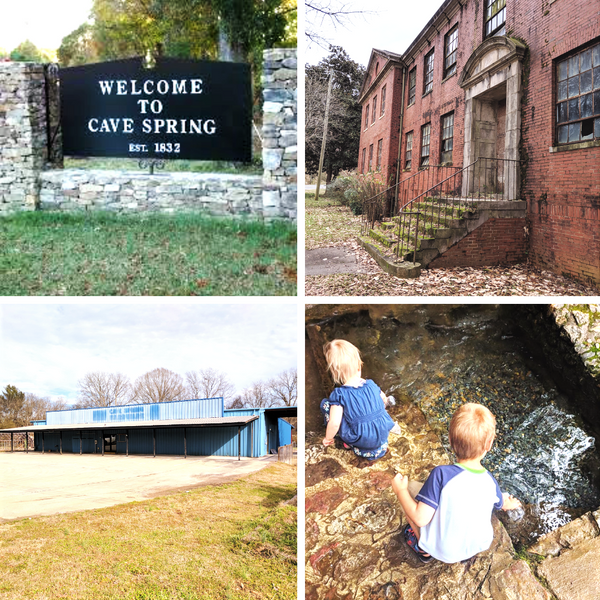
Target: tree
{"x": 79, "y": 47}
{"x": 257, "y": 396}
{"x": 284, "y": 388}
{"x": 13, "y": 411}
{"x": 26, "y": 51}
{"x": 345, "y": 113}
{"x": 318, "y": 12}
{"x": 237, "y": 402}
{"x": 158, "y": 385}
{"x": 208, "y": 383}
{"x": 103, "y": 389}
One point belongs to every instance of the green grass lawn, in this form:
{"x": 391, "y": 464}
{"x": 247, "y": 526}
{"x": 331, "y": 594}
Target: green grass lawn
{"x": 235, "y": 541}
{"x": 102, "y": 254}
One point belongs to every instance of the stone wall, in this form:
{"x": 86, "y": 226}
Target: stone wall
{"x": 121, "y": 191}
{"x": 25, "y": 185}
{"x": 23, "y": 138}
{"x": 280, "y": 135}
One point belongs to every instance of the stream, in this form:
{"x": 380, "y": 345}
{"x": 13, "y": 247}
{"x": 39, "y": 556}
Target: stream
{"x": 441, "y": 356}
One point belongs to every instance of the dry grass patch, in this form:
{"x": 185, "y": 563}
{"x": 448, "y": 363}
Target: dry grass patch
{"x": 207, "y": 543}
{"x": 328, "y": 223}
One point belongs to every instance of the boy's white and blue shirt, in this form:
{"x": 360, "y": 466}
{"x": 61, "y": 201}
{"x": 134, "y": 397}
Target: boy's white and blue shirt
{"x": 463, "y": 500}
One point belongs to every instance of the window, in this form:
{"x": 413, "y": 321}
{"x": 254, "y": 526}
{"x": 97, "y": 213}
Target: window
{"x": 409, "y": 143}
{"x": 382, "y": 109}
{"x": 428, "y": 80}
{"x": 425, "y": 137}
{"x": 367, "y": 116}
{"x": 578, "y": 97}
{"x": 412, "y": 85}
{"x": 379, "y": 152}
{"x": 376, "y": 68}
{"x": 364, "y": 157}
{"x": 371, "y": 157}
{"x": 495, "y": 17}
{"x": 447, "y": 137}
{"x": 374, "y": 109}
{"x": 450, "y": 45}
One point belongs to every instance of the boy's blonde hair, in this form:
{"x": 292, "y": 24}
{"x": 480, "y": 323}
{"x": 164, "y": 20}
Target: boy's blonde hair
{"x": 343, "y": 360}
{"x": 472, "y": 428}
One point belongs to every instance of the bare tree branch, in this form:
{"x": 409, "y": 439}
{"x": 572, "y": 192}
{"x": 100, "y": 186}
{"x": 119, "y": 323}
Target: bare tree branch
{"x": 158, "y": 385}
{"x": 284, "y": 388}
{"x": 103, "y": 389}
{"x": 209, "y": 383}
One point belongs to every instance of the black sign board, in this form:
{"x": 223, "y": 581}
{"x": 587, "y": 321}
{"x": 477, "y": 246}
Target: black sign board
{"x": 178, "y": 109}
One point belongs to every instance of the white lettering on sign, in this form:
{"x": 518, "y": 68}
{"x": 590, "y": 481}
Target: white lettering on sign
{"x": 150, "y": 87}
{"x": 198, "y": 126}
{"x": 111, "y": 125}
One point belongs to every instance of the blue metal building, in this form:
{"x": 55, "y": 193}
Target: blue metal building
{"x": 195, "y": 427}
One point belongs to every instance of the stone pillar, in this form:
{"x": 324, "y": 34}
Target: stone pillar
{"x": 23, "y": 135}
{"x": 513, "y": 129}
{"x": 280, "y": 149}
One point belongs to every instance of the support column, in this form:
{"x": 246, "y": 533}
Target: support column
{"x": 252, "y": 439}
{"x": 127, "y": 442}
{"x": 12, "y": 446}
{"x": 60, "y": 441}
{"x": 102, "y": 440}
{"x": 80, "y": 443}
{"x": 185, "y": 442}
{"x": 43, "y": 440}
{"x": 27, "y": 442}
{"x": 154, "y": 441}
{"x": 239, "y": 442}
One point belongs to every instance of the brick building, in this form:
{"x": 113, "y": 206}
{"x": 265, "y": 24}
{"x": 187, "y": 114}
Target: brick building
{"x": 516, "y": 81}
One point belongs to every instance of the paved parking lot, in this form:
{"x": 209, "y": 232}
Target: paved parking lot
{"x": 44, "y": 484}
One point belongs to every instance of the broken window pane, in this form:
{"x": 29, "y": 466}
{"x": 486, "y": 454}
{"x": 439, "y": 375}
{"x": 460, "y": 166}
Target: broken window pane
{"x": 587, "y": 129}
{"x": 597, "y": 128}
{"x": 574, "y": 130}
{"x": 586, "y": 106}
{"x": 586, "y": 82}
{"x": 562, "y": 90}
{"x": 596, "y": 55}
{"x": 597, "y": 102}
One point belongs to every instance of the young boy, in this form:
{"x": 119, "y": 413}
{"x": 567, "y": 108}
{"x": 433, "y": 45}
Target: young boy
{"x": 450, "y": 517}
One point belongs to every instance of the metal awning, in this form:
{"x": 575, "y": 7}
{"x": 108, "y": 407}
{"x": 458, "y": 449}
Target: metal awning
{"x": 170, "y": 424}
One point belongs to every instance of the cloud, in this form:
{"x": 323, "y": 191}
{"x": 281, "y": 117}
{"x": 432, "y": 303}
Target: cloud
{"x": 47, "y": 348}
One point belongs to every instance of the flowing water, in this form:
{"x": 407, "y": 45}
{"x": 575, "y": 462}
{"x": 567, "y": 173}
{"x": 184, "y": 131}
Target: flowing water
{"x": 442, "y": 357}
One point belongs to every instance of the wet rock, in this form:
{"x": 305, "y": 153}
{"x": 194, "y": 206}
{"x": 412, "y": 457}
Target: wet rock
{"x": 378, "y": 481}
{"x": 567, "y": 536}
{"x": 397, "y": 552}
{"x": 356, "y": 564}
{"x": 574, "y": 575}
{"x": 368, "y": 518}
{"x": 516, "y": 582}
{"x": 328, "y": 468}
{"x": 325, "y": 501}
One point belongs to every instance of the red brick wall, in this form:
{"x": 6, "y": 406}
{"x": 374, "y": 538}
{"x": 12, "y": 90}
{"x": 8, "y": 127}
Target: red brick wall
{"x": 562, "y": 189}
{"x": 386, "y": 126}
{"x": 496, "y": 242}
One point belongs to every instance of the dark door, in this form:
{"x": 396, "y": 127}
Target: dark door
{"x": 110, "y": 443}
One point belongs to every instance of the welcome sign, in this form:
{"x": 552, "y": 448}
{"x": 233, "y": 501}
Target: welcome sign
{"x": 178, "y": 109}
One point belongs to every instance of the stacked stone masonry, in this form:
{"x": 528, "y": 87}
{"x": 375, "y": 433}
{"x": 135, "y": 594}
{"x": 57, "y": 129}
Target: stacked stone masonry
{"x": 280, "y": 135}
{"x": 26, "y": 185}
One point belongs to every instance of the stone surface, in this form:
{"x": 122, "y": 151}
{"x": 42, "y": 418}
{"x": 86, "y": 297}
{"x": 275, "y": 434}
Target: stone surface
{"x": 575, "y": 575}
{"x": 517, "y": 582}
{"x": 568, "y": 536}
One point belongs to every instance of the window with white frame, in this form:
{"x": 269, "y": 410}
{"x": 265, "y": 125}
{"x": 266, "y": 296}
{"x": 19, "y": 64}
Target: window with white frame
{"x": 412, "y": 85}
{"x": 428, "y": 77}
{"x": 379, "y": 153}
{"x": 364, "y": 155}
{"x": 447, "y": 137}
{"x": 382, "y": 109}
{"x": 495, "y": 17}
{"x": 408, "y": 153}
{"x": 450, "y": 51}
{"x": 374, "y": 109}
{"x": 367, "y": 116}
{"x": 425, "y": 141}
{"x": 371, "y": 157}
{"x": 578, "y": 97}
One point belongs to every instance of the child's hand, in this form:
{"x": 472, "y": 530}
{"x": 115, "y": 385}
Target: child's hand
{"x": 400, "y": 482}
{"x": 510, "y": 502}
{"x": 327, "y": 441}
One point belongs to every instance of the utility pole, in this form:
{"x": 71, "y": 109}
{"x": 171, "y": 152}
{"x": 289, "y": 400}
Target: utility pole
{"x": 325, "y": 123}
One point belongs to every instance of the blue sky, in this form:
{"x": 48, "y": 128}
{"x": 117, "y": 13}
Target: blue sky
{"x": 47, "y": 348}
{"x": 386, "y": 24}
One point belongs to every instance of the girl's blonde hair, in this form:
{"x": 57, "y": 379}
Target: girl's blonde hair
{"x": 343, "y": 360}
{"x": 472, "y": 428}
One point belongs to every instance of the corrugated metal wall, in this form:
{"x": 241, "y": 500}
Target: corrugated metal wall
{"x": 185, "y": 409}
{"x": 260, "y": 430}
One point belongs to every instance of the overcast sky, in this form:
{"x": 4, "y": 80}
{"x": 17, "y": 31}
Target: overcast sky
{"x": 44, "y": 22}
{"x": 388, "y": 25}
{"x": 47, "y": 348}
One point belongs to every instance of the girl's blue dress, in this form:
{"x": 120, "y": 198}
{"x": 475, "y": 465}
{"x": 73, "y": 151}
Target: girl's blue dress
{"x": 365, "y": 423}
